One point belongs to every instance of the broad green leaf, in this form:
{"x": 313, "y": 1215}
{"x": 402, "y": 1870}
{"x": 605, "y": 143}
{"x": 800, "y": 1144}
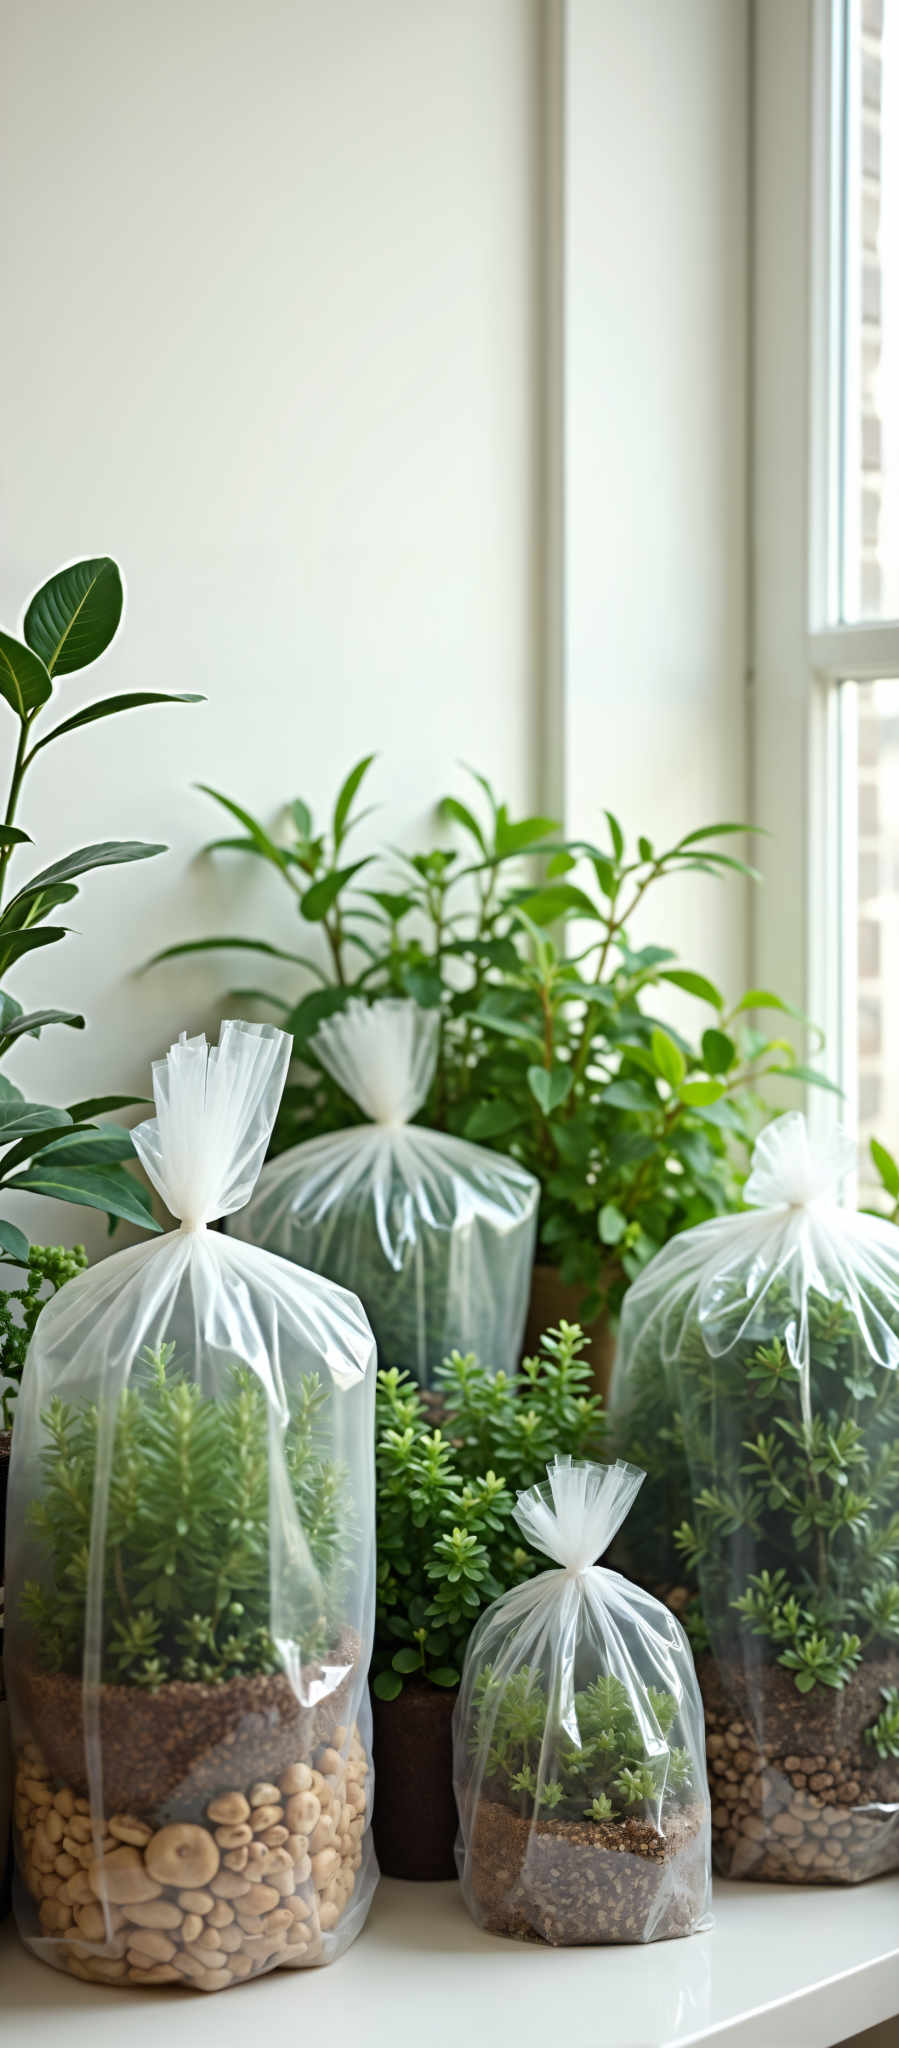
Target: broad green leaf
{"x": 616, "y": 833}
{"x": 109, "y": 707}
{"x": 9, "y": 1011}
{"x": 446, "y": 1675}
{"x": 106, "y": 854}
{"x": 550, "y": 1086}
{"x": 32, "y": 907}
{"x": 346, "y": 793}
{"x": 717, "y": 832}
{"x": 560, "y": 863}
{"x": 407, "y": 1660}
{"x": 515, "y": 838}
{"x": 228, "y": 943}
{"x": 700, "y": 1094}
{"x": 92, "y": 1187}
{"x": 450, "y": 807}
{"x": 23, "y": 1119}
{"x": 32, "y": 1022}
{"x": 387, "y": 1686}
{"x": 718, "y": 1052}
{"x": 886, "y": 1167}
{"x": 8, "y": 1090}
{"x": 14, "y": 943}
{"x": 92, "y": 1146}
{"x": 11, "y": 836}
{"x": 262, "y": 839}
{"x": 562, "y": 899}
{"x": 612, "y": 1225}
{"x": 99, "y": 1105}
{"x": 694, "y": 985}
{"x": 24, "y": 681}
{"x": 668, "y": 1058}
{"x": 492, "y": 1120}
{"x": 14, "y": 1243}
{"x": 323, "y": 895}
{"x": 73, "y": 617}
{"x": 628, "y": 1095}
{"x": 809, "y": 1075}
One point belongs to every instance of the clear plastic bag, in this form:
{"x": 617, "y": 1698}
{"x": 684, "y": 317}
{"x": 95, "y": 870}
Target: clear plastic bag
{"x": 190, "y": 1579}
{"x": 579, "y": 1762}
{"x": 756, "y": 1380}
{"x": 435, "y": 1235}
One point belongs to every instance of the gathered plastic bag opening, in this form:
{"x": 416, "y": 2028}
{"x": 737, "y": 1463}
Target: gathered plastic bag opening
{"x": 190, "y": 1579}
{"x": 757, "y": 1381}
{"x": 578, "y": 1747}
{"x": 434, "y": 1234}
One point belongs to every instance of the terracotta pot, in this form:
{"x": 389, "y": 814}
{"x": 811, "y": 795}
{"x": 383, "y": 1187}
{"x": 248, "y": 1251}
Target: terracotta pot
{"x": 415, "y": 1809}
{"x": 554, "y": 1300}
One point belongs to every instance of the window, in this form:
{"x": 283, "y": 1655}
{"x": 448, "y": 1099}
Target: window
{"x": 854, "y": 536}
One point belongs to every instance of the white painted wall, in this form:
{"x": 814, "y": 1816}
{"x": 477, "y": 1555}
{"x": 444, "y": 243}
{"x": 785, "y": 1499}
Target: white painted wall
{"x": 269, "y": 280}
{"x": 655, "y": 449}
{"x": 275, "y": 283}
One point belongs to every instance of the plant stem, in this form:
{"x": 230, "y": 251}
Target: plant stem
{"x": 15, "y": 785}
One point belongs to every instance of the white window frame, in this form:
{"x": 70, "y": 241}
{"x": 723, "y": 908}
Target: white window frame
{"x": 804, "y": 659}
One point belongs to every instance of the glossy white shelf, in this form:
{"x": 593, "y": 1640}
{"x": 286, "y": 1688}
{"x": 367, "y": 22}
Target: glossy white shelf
{"x": 782, "y": 1968}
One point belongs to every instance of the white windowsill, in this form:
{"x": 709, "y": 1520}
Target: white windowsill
{"x": 783, "y": 1968}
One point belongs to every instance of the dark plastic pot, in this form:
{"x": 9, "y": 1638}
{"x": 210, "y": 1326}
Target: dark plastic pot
{"x": 415, "y": 1810}
{"x": 554, "y": 1300}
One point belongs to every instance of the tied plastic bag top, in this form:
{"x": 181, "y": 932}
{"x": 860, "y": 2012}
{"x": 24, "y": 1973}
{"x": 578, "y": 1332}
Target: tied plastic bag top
{"x": 190, "y": 1578}
{"x": 578, "y": 1748}
{"x": 756, "y": 1380}
{"x": 435, "y": 1235}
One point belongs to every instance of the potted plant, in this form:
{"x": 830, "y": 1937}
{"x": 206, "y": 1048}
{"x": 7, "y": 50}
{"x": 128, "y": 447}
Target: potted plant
{"x": 548, "y": 1051}
{"x": 610, "y": 1846}
{"x": 233, "y": 1827}
{"x": 447, "y": 1480}
{"x": 770, "y": 1432}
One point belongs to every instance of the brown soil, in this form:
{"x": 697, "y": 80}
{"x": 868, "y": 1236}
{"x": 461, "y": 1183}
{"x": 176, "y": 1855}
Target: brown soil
{"x": 415, "y": 1811}
{"x": 552, "y": 1300}
{"x": 166, "y": 1752}
{"x": 576, "y": 1882}
{"x": 798, "y": 1796}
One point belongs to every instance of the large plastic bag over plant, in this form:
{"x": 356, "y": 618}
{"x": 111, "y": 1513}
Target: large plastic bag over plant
{"x": 190, "y": 1578}
{"x": 578, "y": 1750}
{"x": 434, "y": 1234}
{"x": 756, "y": 1380}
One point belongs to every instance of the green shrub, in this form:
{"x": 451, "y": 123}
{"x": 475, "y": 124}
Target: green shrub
{"x": 609, "y": 1772}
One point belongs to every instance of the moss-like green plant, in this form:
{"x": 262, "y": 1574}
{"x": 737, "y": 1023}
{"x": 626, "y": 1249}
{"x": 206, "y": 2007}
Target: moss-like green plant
{"x": 447, "y": 1544}
{"x": 48, "y": 1266}
{"x": 780, "y": 1526}
{"x": 608, "y": 1772}
{"x": 186, "y": 1574}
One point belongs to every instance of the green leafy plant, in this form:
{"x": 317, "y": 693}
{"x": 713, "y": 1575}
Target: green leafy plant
{"x": 549, "y": 1047}
{"x": 605, "y": 1771}
{"x": 63, "y": 1153}
{"x": 48, "y": 1268}
{"x": 887, "y": 1171}
{"x": 884, "y": 1732}
{"x": 780, "y": 1525}
{"x": 186, "y": 1567}
{"x": 447, "y": 1544}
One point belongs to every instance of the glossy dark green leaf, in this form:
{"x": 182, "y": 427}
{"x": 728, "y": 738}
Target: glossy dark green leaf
{"x": 106, "y": 853}
{"x": 110, "y": 707}
{"x": 323, "y": 895}
{"x": 387, "y": 1686}
{"x": 718, "y": 1052}
{"x": 32, "y": 1022}
{"x": 93, "y": 1187}
{"x": 92, "y": 1146}
{"x": 14, "y": 943}
{"x": 99, "y": 1105}
{"x": 345, "y": 797}
{"x": 24, "y": 681}
{"x": 11, "y": 836}
{"x": 32, "y": 907}
{"x": 445, "y": 1676}
{"x": 73, "y": 617}
{"x": 13, "y": 1244}
{"x": 23, "y": 1119}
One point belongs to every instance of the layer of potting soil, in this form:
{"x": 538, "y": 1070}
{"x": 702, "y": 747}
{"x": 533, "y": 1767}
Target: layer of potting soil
{"x": 165, "y": 1752}
{"x": 798, "y": 1795}
{"x": 573, "y": 1883}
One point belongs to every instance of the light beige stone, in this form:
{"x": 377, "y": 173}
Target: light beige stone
{"x": 182, "y": 1854}
{"x": 123, "y": 1876}
{"x": 154, "y": 1913}
{"x": 228, "y": 1808}
{"x": 125, "y": 1828}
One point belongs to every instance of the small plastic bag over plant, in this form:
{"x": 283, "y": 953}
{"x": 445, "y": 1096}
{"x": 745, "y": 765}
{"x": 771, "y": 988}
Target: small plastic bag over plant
{"x": 190, "y": 1578}
{"x": 757, "y": 1381}
{"x": 434, "y": 1234}
{"x": 579, "y": 1762}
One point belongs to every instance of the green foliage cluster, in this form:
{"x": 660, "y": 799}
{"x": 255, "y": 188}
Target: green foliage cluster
{"x": 447, "y": 1543}
{"x": 62, "y": 1153}
{"x": 531, "y": 1761}
{"x": 549, "y": 1049}
{"x": 784, "y": 1528}
{"x": 49, "y": 1266}
{"x": 186, "y": 1570}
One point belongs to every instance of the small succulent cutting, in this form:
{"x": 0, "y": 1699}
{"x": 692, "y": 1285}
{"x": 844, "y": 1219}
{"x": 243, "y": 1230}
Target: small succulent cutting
{"x": 613, "y": 1765}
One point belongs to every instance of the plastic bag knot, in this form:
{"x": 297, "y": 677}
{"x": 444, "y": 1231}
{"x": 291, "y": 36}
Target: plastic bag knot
{"x": 791, "y": 1170}
{"x": 382, "y": 1055}
{"x": 574, "y": 1514}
